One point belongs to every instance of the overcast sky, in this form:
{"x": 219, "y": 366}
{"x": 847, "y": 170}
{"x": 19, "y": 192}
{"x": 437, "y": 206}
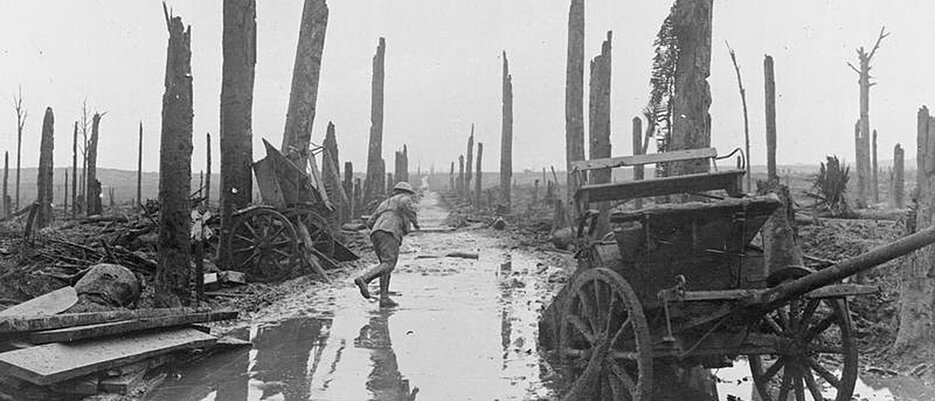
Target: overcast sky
{"x": 443, "y": 73}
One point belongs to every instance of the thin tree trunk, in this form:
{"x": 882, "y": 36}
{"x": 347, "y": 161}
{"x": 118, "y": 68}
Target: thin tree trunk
{"x": 917, "y": 288}
{"x": 44, "y": 180}
{"x": 139, "y": 171}
{"x": 772, "y": 176}
{"x": 236, "y": 128}
{"x": 6, "y": 181}
{"x": 574, "y": 96}
{"x": 75, "y": 205}
{"x": 65, "y": 203}
{"x": 20, "y": 121}
{"x": 469, "y": 166}
{"x": 94, "y": 186}
{"x": 864, "y": 173}
{"x": 898, "y": 176}
{"x": 638, "y": 171}
{"x": 451, "y": 179}
{"x": 506, "y": 138}
{"x": 746, "y": 122}
{"x": 208, "y": 171}
{"x": 691, "y": 125}
{"x": 175, "y": 154}
{"x": 305, "y": 77}
{"x": 478, "y": 176}
{"x": 875, "y": 185}
{"x": 375, "y": 148}
{"x": 599, "y": 124}
{"x": 461, "y": 189}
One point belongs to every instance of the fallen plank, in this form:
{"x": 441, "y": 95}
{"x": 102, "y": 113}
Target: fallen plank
{"x": 23, "y": 324}
{"x": 52, "y": 303}
{"x": 121, "y": 384}
{"x": 70, "y": 334}
{"x": 56, "y": 362}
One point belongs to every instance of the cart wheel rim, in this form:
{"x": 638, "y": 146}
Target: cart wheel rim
{"x": 817, "y": 352}
{"x": 604, "y": 329}
{"x": 262, "y": 245}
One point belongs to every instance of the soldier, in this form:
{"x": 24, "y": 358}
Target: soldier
{"x": 389, "y": 223}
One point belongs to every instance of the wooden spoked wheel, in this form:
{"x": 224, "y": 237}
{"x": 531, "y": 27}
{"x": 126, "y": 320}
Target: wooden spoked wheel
{"x": 318, "y": 228}
{"x": 262, "y": 244}
{"x": 605, "y": 338}
{"x": 817, "y": 354}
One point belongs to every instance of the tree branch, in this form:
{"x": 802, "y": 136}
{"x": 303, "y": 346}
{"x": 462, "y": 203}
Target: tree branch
{"x": 853, "y": 68}
{"x": 876, "y": 46}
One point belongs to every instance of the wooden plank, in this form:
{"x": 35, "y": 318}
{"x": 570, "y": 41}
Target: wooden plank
{"x": 842, "y": 290}
{"x": 639, "y": 160}
{"x": 56, "y": 362}
{"x": 269, "y": 185}
{"x": 23, "y": 324}
{"x": 70, "y": 334}
{"x": 729, "y": 181}
{"x": 52, "y": 303}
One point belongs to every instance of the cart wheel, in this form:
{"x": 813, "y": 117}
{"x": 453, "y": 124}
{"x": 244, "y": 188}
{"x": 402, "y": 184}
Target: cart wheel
{"x": 605, "y": 333}
{"x": 318, "y": 228}
{"x": 263, "y": 244}
{"x": 817, "y": 354}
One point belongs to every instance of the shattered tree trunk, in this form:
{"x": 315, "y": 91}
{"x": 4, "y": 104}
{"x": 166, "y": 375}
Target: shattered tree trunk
{"x": 6, "y": 182}
{"x": 691, "y": 122}
{"x": 331, "y": 145}
{"x": 375, "y": 149}
{"x": 917, "y": 277}
{"x": 506, "y": 138}
{"x": 770, "y": 90}
{"x": 75, "y": 205}
{"x": 875, "y": 185}
{"x": 305, "y": 76}
{"x": 405, "y": 163}
{"x": 451, "y": 178}
{"x": 207, "y": 171}
{"x": 638, "y": 171}
{"x": 599, "y": 124}
{"x": 65, "y": 205}
{"x": 862, "y": 135}
{"x": 236, "y": 128}
{"x": 574, "y": 96}
{"x": 478, "y": 176}
{"x": 469, "y": 166}
{"x": 93, "y": 197}
{"x": 349, "y": 190}
{"x": 398, "y": 165}
{"x": 175, "y": 161}
{"x": 139, "y": 170}
{"x": 899, "y": 173}
{"x": 461, "y": 189}
{"x": 389, "y": 183}
{"x": 20, "y": 122}
{"x": 44, "y": 182}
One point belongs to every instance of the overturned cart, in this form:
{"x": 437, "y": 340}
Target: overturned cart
{"x": 294, "y": 227}
{"x": 680, "y": 284}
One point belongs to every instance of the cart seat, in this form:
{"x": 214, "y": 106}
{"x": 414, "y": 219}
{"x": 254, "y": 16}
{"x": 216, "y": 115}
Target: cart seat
{"x": 730, "y": 181}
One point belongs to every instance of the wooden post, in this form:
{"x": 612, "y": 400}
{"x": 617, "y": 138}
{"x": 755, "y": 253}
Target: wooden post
{"x": 208, "y": 171}
{"x": 770, "y": 80}
{"x": 44, "y": 181}
{"x": 638, "y": 171}
{"x": 173, "y": 274}
{"x": 75, "y": 206}
{"x": 139, "y": 171}
{"x": 94, "y": 186}
{"x": 506, "y": 138}
{"x": 574, "y": 96}
{"x": 917, "y": 289}
{"x": 898, "y": 177}
{"x": 236, "y": 128}
{"x": 468, "y": 167}
{"x": 478, "y": 174}
{"x": 375, "y": 149}
{"x": 875, "y": 185}
{"x": 305, "y": 76}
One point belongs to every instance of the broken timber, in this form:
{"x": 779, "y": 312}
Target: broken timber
{"x": 51, "y": 303}
{"x": 21, "y": 324}
{"x": 52, "y": 363}
{"x": 70, "y": 334}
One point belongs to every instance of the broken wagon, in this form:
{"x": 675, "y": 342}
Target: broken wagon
{"x": 682, "y": 285}
{"x": 293, "y": 226}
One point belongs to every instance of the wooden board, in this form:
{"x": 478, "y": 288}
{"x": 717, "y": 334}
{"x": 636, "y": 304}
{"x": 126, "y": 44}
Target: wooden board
{"x": 23, "y": 324}
{"x": 270, "y": 190}
{"x": 726, "y": 180}
{"x": 70, "y": 334}
{"x": 52, "y": 303}
{"x": 639, "y": 160}
{"x": 56, "y": 362}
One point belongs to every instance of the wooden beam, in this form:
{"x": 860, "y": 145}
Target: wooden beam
{"x": 639, "y": 160}
{"x": 726, "y": 180}
{"x": 22, "y": 324}
{"x": 70, "y": 334}
{"x": 56, "y": 362}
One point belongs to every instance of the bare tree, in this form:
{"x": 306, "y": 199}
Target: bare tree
{"x": 21, "y": 114}
{"x": 862, "y": 138}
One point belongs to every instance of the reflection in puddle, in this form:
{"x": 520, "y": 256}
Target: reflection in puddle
{"x": 736, "y": 382}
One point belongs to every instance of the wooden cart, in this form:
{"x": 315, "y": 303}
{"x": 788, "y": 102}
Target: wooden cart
{"x": 681, "y": 284}
{"x": 272, "y": 239}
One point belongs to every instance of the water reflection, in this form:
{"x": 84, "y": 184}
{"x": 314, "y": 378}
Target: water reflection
{"x": 385, "y": 381}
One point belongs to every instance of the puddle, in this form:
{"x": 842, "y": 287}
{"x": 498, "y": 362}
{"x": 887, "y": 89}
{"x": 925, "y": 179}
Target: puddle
{"x": 735, "y": 381}
{"x": 465, "y": 330}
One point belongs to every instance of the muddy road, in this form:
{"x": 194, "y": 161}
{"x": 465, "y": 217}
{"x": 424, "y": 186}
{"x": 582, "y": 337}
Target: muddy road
{"x": 465, "y": 329}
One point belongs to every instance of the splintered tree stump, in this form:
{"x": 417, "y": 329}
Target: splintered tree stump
{"x": 599, "y": 124}
{"x": 44, "y": 181}
{"x": 574, "y": 95}
{"x": 93, "y": 197}
{"x": 506, "y": 136}
{"x": 175, "y": 155}
{"x": 478, "y": 175}
{"x": 372, "y": 186}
